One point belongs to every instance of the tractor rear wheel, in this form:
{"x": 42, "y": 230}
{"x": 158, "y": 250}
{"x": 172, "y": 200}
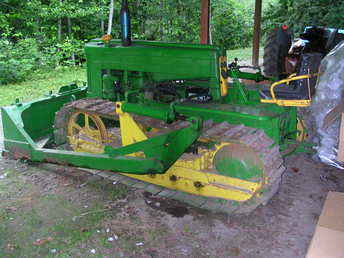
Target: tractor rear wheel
{"x": 276, "y": 49}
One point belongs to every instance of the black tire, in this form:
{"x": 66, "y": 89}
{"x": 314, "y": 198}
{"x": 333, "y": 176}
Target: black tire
{"x": 276, "y": 49}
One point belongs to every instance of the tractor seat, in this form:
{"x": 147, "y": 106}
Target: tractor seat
{"x": 300, "y": 89}
{"x": 283, "y": 91}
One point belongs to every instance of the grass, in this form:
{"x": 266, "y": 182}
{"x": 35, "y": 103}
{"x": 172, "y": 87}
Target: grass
{"x": 40, "y": 84}
{"x": 243, "y": 54}
{"x": 28, "y": 214}
{"x": 68, "y": 221}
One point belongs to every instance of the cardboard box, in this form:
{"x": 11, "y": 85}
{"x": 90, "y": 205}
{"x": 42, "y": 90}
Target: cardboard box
{"x": 328, "y": 239}
{"x": 340, "y": 156}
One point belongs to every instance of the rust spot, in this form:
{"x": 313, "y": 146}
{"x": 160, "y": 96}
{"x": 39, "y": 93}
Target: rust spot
{"x": 5, "y": 154}
{"x": 55, "y": 161}
{"x": 17, "y": 153}
{"x": 198, "y": 184}
{"x": 295, "y": 170}
{"x": 173, "y": 178}
{"x": 253, "y": 82}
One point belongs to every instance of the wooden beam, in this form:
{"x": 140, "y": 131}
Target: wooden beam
{"x": 205, "y": 17}
{"x": 256, "y": 33}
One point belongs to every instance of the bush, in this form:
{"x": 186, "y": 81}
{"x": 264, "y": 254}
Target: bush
{"x": 62, "y": 53}
{"x": 232, "y": 24}
{"x": 67, "y": 49}
{"x": 18, "y": 60}
{"x": 302, "y": 13}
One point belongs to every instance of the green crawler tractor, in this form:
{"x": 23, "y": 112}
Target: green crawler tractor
{"x": 165, "y": 114}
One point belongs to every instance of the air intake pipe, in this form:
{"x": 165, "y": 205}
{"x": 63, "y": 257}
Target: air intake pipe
{"x": 125, "y": 24}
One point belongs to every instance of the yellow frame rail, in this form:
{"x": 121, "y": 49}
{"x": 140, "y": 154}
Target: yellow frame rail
{"x": 294, "y": 102}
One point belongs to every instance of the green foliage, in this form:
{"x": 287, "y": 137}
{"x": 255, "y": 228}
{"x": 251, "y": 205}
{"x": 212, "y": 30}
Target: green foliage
{"x": 56, "y": 30}
{"x": 302, "y": 13}
{"x": 67, "y": 49}
{"x": 232, "y": 24}
{"x": 166, "y": 20}
{"x": 19, "y": 60}
{"x": 178, "y": 21}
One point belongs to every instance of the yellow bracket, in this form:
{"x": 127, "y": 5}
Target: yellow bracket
{"x": 302, "y": 131}
{"x": 131, "y": 132}
{"x": 287, "y": 103}
{"x": 223, "y": 81}
{"x": 290, "y": 103}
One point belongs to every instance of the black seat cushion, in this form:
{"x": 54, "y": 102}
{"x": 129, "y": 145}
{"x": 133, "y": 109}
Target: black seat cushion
{"x": 283, "y": 91}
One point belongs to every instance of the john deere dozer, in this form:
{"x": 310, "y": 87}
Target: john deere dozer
{"x": 168, "y": 114}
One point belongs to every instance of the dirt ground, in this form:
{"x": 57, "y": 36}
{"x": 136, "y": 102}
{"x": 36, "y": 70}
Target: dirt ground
{"x": 49, "y": 211}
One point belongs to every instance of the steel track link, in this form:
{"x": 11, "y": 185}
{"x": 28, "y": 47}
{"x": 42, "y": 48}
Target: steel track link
{"x": 221, "y": 132}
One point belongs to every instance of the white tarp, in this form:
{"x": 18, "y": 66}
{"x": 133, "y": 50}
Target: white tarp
{"x": 329, "y": 94}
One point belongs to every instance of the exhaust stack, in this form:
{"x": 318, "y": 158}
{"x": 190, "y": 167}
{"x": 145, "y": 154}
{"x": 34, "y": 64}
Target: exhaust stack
{"x": 125, "y": 24}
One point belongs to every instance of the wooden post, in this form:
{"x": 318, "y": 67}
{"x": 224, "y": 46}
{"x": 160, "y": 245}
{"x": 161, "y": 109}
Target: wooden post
{"x": 205, "y": 17}
{"x": 340, "y": 155}
{"x": 256, "y": 33}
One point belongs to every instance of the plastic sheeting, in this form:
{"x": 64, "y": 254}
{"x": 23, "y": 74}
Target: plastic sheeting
{"x": 329, "y": 94}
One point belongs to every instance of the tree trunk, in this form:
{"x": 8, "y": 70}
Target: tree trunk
{"x": 69, "y": 26}
{"x": 102, "y": 23}
{"x": 210, "y": 27}
{"x": 110, "y": 18}
{"x": 256, "y": 32}
{"x": 161, "y": 20}
{"x": 59, "y": 29}
{"x": 69, "y": 22}
{"x": 102, "y": 26}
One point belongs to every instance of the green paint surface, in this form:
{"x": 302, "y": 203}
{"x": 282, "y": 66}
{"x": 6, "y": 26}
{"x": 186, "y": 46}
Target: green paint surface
{"x": 238, "y": 168}
{"x": 239, "y": 161}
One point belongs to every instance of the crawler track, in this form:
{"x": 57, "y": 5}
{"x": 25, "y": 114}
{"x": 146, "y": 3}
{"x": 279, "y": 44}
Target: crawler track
{"x": 251, "y": 138}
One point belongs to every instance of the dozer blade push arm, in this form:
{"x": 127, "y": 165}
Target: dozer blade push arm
{"x": 151, "y": 156}
{"x": 164, "y": 149}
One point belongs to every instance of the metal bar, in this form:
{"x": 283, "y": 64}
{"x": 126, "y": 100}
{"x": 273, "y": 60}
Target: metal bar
{"x": 256, "y": 35}
{"x": 258, "y": 77}
{"x": 205, "y": 17}
{"x": 160, "y": 44}
{"x": 131, "y": 165}
{"x": 161, "y": 112}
